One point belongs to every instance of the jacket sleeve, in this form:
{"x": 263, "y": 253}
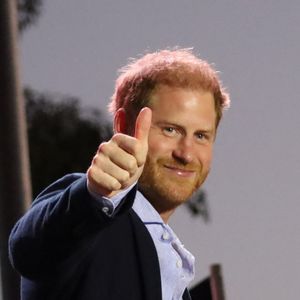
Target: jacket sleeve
{"x": 61, "y": 217}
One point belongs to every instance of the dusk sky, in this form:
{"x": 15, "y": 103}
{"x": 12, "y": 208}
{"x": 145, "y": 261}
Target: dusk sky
{"x": 253, "y": 192}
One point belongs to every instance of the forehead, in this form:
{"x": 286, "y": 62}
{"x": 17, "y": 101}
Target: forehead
{"x": 182, "y": 105}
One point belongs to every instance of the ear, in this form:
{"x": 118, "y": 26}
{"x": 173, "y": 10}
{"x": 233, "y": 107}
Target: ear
{"x": 120, "y": 121}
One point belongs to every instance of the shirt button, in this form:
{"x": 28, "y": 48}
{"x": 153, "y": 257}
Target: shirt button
{"x": 165, "y": 236}
{"x": 179, "y": 264}
{"x": 105, "y": 210}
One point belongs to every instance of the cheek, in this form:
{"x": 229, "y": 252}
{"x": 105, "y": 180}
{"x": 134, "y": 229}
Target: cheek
{"x": 205, "y": 157}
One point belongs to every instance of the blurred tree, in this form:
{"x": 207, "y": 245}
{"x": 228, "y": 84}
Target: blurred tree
{"x": 63, "y": 137}
{"x": 28, "y": 12}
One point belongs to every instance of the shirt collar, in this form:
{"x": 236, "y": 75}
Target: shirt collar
{"x": 145, "y": 210}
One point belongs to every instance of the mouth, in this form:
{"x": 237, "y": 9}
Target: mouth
{"x": 181, "y": 172}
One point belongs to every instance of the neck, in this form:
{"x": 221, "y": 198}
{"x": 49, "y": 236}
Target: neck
{"x": 165, "y": 215}
{"x": 164, "y": 208}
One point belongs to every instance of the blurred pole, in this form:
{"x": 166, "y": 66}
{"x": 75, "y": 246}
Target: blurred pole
{"x": 15, "y": 189}
{"x": 216, "y": 282}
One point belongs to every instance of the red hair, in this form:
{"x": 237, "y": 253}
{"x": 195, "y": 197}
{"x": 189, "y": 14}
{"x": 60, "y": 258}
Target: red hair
{"x": 178, "y": 68}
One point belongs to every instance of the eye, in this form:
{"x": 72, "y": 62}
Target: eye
{"x": 169, "y": 131}
{"x": 202, "y": 136}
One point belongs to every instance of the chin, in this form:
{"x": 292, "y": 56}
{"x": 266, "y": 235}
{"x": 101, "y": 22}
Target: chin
{"x": 166, "y": 198}
{"x": 166, "y": 193}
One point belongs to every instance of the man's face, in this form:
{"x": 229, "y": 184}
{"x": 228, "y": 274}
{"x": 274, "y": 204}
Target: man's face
{"x": 180, "y": 145}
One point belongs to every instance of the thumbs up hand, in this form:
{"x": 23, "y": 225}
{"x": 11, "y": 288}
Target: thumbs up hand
{"x": 119, "y": 162}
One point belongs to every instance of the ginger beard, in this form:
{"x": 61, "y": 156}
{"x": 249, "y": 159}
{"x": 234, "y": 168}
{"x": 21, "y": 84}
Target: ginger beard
{"x": 164, "y": 188}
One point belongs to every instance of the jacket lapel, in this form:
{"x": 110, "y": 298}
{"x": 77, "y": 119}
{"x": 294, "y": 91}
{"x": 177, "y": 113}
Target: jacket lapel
{"x": 149, "y": 264}
{"x": 186, "y": 295}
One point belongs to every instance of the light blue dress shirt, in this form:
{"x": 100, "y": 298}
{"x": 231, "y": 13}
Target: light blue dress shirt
{"x": 177, "y": 265}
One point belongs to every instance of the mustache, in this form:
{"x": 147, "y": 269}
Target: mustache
{"x": 177, "y": 164}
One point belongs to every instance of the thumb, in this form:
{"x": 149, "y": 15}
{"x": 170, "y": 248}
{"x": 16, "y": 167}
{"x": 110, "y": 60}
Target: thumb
{"x": 143, "y": 124}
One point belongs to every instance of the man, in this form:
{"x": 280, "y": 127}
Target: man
{"x": 105, "y": 234}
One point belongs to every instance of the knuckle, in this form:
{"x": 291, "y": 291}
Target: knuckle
{"x": 102, "y": 147}
{"x": 90, "y": 173}
{"x": 93, "y": 176}
{"x": 115, "y": 185}
{"x": 124, "y": 178}
{"x": 116, "y": 138}
{"x": 132, "y": 166}
{"x": 97, "y": 160}
{"x": 141, "y": 159}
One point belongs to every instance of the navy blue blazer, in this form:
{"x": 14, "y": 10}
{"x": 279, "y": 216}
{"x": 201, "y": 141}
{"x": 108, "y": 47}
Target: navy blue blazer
{"x": 65, "y": 248}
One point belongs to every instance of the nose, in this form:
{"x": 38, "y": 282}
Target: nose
{"x": 184, "y": 151}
